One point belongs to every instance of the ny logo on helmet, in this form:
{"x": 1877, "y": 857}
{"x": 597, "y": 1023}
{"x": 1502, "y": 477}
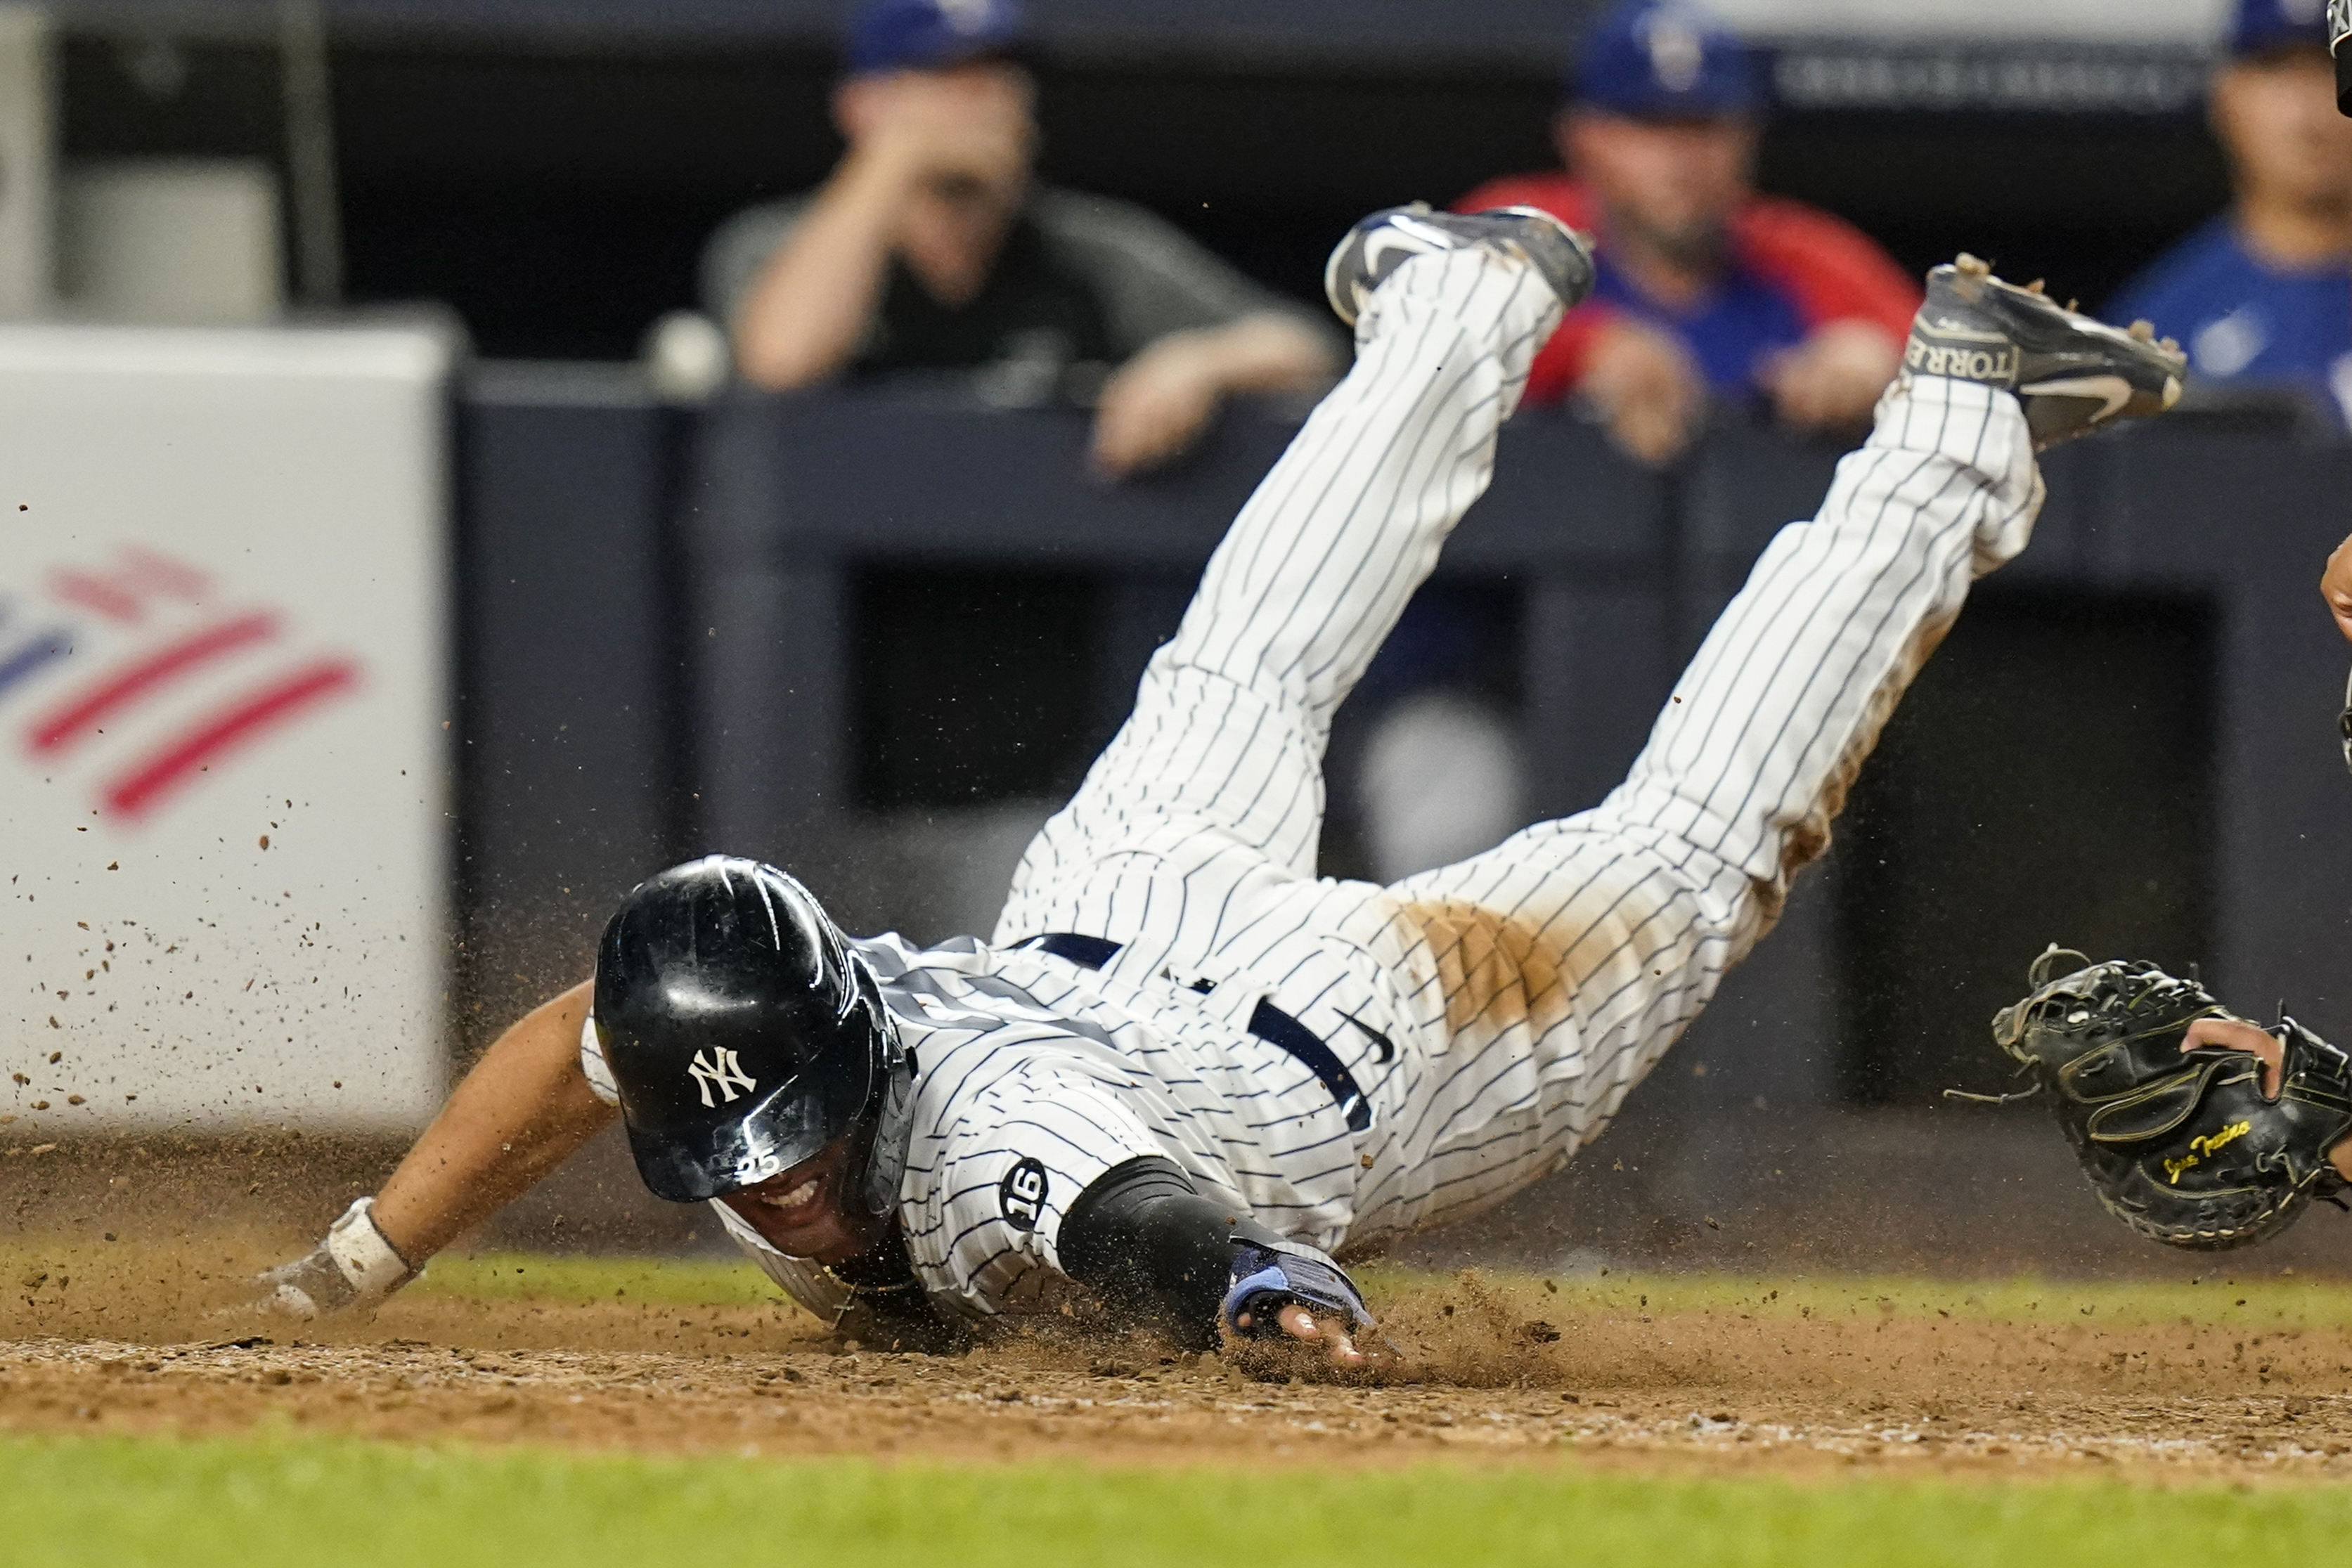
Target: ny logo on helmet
{"x": 727, "y": 1077}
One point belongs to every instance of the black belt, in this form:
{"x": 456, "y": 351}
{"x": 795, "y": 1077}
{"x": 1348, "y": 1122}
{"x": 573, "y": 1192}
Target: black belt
{"x": 1269, "y": 1023}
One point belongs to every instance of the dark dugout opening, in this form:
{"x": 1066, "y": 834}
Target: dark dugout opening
{"x": 973, "y": 685}
{"x": 2050, "y": 778}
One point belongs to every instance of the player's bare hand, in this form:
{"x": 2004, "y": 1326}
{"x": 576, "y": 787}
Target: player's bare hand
{"x": 1339, "y": 1344}
{"x": 1154, "y": 407}
{"x": 1833, "y": 378}
{"x": 1309, "y": 1343}
{"x": 2335, "y": 587}
{"x": 1645, "y": 389}
{"x": 2236, "y": 1034}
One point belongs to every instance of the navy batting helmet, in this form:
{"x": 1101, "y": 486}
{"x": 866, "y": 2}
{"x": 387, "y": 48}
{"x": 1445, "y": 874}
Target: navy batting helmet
{"x": 743, "y": 1034}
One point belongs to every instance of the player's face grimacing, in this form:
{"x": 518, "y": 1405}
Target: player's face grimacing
{"x": 802, "y": 1214}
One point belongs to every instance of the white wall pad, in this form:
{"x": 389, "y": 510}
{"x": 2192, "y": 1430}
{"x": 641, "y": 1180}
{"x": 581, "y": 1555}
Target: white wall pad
{"x": 224, "y": 677}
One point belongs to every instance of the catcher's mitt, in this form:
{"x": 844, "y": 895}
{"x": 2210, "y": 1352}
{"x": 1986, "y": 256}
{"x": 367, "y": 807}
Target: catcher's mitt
{"x": 2183, "y": 1148}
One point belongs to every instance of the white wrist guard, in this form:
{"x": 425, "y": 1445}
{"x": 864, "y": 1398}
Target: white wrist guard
{"x": 354, "y": 1266}
{"x": 375, "y": 1270}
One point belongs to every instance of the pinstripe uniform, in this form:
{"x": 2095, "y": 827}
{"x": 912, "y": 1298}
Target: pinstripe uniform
{"x": 1493, "y": 1013}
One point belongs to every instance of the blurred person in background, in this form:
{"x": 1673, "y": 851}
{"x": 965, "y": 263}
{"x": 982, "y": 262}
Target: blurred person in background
{"x": 931, "y": 249}
{"x": 2261, "y": 296}
{"x": 1709, "y": 293}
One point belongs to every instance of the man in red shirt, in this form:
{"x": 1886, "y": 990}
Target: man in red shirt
{"x": 1708, "y": 292}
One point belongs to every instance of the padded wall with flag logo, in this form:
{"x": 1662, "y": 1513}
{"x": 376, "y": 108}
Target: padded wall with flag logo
{"x": 223, "y": 761}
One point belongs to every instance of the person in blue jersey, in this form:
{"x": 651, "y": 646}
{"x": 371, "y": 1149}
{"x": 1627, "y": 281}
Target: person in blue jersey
{"x": 2261, "y": 296}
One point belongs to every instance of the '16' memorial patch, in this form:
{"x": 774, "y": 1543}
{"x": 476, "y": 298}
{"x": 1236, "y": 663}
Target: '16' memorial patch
{"x": 1022, "y": 1192}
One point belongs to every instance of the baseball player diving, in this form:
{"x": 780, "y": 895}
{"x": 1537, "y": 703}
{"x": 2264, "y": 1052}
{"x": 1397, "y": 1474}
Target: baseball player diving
{"x": 1186, "y": 1074}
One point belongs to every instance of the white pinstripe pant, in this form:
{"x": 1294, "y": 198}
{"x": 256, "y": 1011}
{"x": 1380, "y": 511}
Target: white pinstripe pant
{"x": 1528, "y": 989}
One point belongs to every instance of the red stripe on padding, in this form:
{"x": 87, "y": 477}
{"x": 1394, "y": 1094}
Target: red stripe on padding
{"x": 232, "y": 726}
{"x": 127, "y": 686}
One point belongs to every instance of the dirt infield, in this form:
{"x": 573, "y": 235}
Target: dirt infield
{"x": 1715, "y": 1377}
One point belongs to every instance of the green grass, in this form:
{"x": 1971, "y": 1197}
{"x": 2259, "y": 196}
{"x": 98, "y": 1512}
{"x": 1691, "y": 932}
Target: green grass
{"x": 2225, "y": 1296}
{"x": 121, "y": 1501}
{"x": 191, "y": 1505}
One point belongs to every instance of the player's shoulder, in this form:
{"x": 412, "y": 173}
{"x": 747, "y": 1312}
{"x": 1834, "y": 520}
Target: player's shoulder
{"x": 1785, "y": 228}
{"x": 1553, "y": 191}
{"x": 2204, "y": 274}
{"x": 993, "y": 1171}
{"x": 1825, "y": 267}
{"x": 977, "y": 1081}
{"x": 888, "y": 955}
{"x": 959, "y": 967}
{"x": 1786, "y": 215}
{"x": 979, "y": 1045}
{"x": 2212, "y": 247}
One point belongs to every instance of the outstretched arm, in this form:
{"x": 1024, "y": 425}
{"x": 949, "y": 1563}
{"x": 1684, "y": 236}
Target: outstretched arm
{"x": 1160, "y": 399}
{"x": 522, "y": 1110}
{"x": 805, "y": 314}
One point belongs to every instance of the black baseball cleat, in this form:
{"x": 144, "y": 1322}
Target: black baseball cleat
{"x": 2072, "y": 374}
{"x": 1388, "y": 239}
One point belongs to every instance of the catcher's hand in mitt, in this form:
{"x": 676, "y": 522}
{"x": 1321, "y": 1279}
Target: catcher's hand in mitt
{"x": 2188, "y": 1137}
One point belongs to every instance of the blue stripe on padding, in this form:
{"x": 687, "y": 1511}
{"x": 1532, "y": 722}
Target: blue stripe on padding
{"x": 54, "y": 643}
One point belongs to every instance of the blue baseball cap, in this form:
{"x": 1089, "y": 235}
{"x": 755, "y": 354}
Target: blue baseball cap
{"x": 2263, "y": 26}
{"x": 1665, "y": 60}
{"x": 931, "y": 35}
